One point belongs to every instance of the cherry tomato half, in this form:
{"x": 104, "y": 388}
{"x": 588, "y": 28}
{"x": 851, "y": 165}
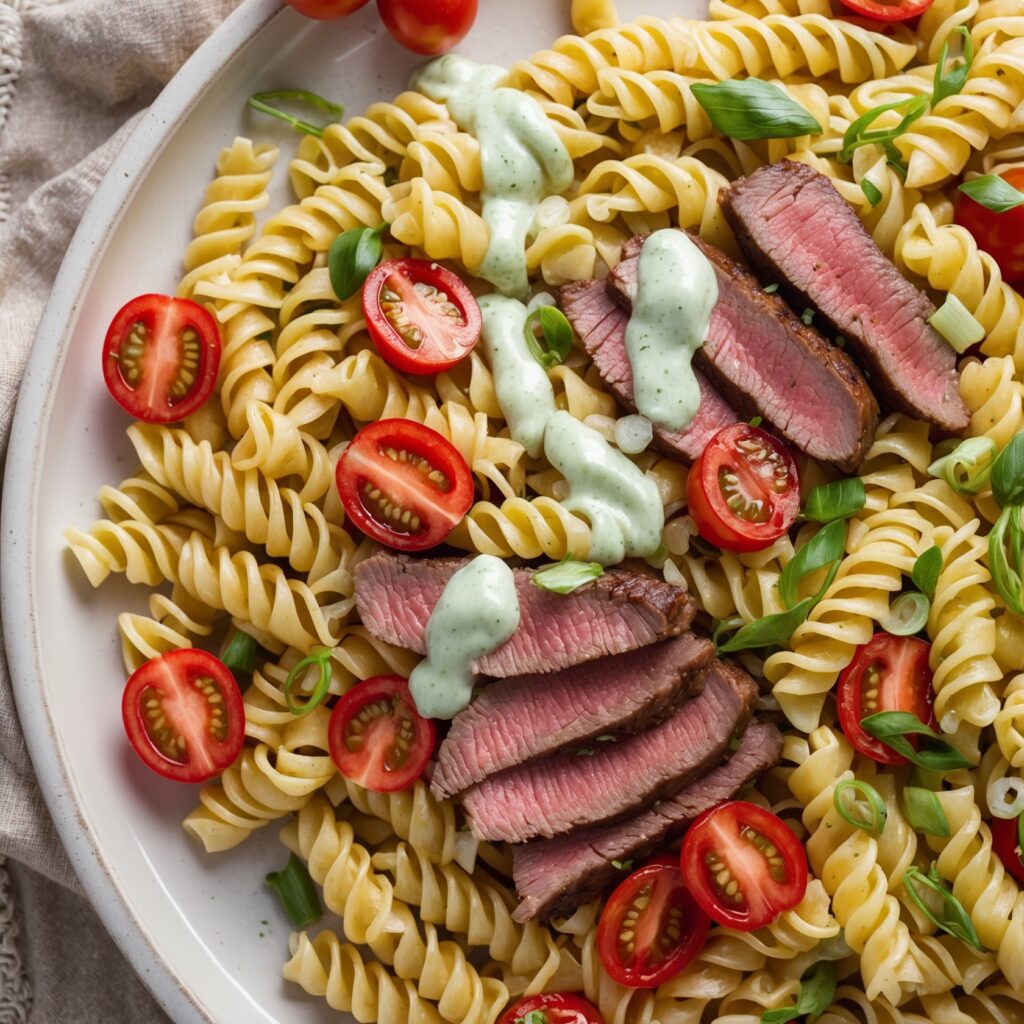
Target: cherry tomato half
{"x": 404, "y": 484}
{"x": 428, "y": 26}
{"x": 763, "y": 862}
{"x": 651, "y": 928}
{"x": 888, "y": 10}
{"x": 422, "y": 318}
{"x": 553, "y": 1008}
{"x": 377, "y": 737}
{"x": 744, "y": 489}
{"x": 160, "y": 357}
{"x": 1001, "y": 235}
{"x": 888, "y": 673}
{"x": 184, "y": 716}
{"x": 1006, "y": 842}
{"x": 327, "y": 10}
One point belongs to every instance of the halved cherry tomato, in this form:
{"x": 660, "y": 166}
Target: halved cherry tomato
{"x": 422, "y": 318}
{"x": 744, "y": 489}
{"x": 404, "y": 484}
{"x": 651, "y": 928}
{"x": 428, "y": 26}
{"x": 1001, "y": 235}
{"x": 1006, "y": 842}
{"x": 743, "y": 865}
{"x": 888, "y": 10}
{"x": 377, "y": 737}
{"x": 160, "y": 357}
{"x": 327, "y": 10}
{"x": 184, "y": 716}
{"x": 888, "y": 673}
{"x": 553, "y": 1008}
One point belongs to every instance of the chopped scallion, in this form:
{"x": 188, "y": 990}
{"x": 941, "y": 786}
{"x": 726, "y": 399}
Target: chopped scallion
{"x": 297, "y": 893}
{"x": 908, "y": 614}
{"x": 846, "y": 807}
{"x": 953, "y": 320}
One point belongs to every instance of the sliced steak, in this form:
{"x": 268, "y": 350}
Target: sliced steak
{"x": 521, "y": 719}
{"x": 600, "y": 323}
{"x": 797, "y": 229}
{"x": 768, "y": 362}
{"x": 555, "y": 876}
{"x": 618, "y": 612}
{"x": 567, "y": 791}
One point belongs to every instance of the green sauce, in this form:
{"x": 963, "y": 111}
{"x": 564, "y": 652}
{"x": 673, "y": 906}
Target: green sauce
{"x": 523, "y": 389}
{"x": 676, "y": 293}
{"x": 622, "y": 505}
{"x": 476, "y": 613}
{"x": 522, "y": 158}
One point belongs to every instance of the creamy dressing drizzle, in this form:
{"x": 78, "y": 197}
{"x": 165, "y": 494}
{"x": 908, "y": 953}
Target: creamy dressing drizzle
{"x": 675, "y": 295}
{"x": 522, "y": 158}
{"x": 622, "y": 505}
{"x": 476, "y": 613}
{"x": 522, "y": 387}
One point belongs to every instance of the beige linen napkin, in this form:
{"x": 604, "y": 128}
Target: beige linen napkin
{"x": 74, "y": 74}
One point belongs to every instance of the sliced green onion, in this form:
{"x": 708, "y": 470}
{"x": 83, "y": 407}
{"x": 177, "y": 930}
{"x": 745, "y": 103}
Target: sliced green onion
{"x": 871, "y": 191}
{"x": 565, "y": 577}
{"x": 908, "y": 614}
{"x": 949, "y": 83}
{"x": 968, "y": 468}
{"x": 1006, "y": 558}
{"x": 556, "y": 332}
{"x": 353, "y": 256}
{"x": 893, "y": 728}
{"x": 923, "y": 810}
{"x": 321, "y": 656}
{"x": 258, "y": 101}
{"x": 240, "y": 653}
{"x": 297, "y": 893}
{"x": 953, "y": 918}
{"x": 953, "y": 320}
{"x": 1008, "y": 473}
{"x": 845, "y": 808}
{"x": 1006, "y": 797}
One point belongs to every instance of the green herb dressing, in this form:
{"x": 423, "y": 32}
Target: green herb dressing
{"x": 523, "y": 389}
{"x": 675, "y": 295}
{"x": 622, "y": 505}
{"x": 476, "y": 613}
{"x": 522, "y": 158}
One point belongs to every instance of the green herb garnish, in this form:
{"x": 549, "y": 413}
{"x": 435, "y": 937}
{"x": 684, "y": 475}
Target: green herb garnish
{"x": 353, "y": 256}
{"x": 556, "y": 332}
{"x": 303, "y": 97}
{"x": 924, "y": 812}
{"x": 752, "y": 109}
{"x": 871, "y": 191}
{"x": 817, "y": 990}
{"x": 824, "y": 549}
{"x": 769, "y": 631}
{"x": 840, "y": 499}
{"x": 296, "y": 892}
{"x": 321, "y": 656}
{"x": 565, "y": 577}
{"x": 240, "y": 653}
{"x": 893, "y": 728}
{"x": 952, "y": 918}
{"x": 926, "y": 571}
{"x": 994, "y": 193}
{"x": 845, "y": 808}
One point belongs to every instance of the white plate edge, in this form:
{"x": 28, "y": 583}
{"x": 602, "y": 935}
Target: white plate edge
{"x": 20, "y": 497}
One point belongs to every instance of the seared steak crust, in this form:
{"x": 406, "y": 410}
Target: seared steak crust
{"x": 618, "y": 612}
{"x": 795, "y": 228}
{"x": 555, "y": 876}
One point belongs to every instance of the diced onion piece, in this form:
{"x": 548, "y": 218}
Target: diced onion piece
{"x": 540, "y": 299}
{"x": 1006, "y": 797}
{"x": 633, "y": 434}
{"x": 956, "y": 324}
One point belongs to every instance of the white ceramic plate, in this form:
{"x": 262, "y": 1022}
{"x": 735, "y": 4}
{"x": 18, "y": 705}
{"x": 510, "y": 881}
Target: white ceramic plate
{"x": 202, "y": 931}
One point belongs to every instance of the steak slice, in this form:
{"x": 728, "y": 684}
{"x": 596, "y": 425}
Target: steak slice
{"x": 796, "y": 228}
{"x": 600, "y": 323}
{"x": 567, "y": 791}
{"x": 521, "y": 719}
{"x": 618, "y": 612}
{"x": 555, "y": 876}
{"x": 768, "y": 362}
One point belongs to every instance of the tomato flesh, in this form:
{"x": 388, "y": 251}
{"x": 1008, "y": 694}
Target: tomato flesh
{"x": 377, "y": 737}
{"x": 160, "y": 357}
{"x": 888, "y": 10}
{"x": 422, "y": 318}
{"x": 553, "y": 1008}
{"x": 744, "y": 489}
{"x": 889, "y": 673}
{"x": 743, "y": 865}
{"x": 651, "y": 928}
{"x": 327, "y": 10}
{"x": 1006, "y": 843}
{"x": 1001, "y": 235}
{"x": 404, "y": 484}
{"x": 428, "y": 26}
{"x": 183, "y": 715}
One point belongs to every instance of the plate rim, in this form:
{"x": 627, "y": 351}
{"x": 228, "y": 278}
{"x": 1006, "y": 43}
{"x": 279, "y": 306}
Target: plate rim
{"x": 18, "y": 519}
